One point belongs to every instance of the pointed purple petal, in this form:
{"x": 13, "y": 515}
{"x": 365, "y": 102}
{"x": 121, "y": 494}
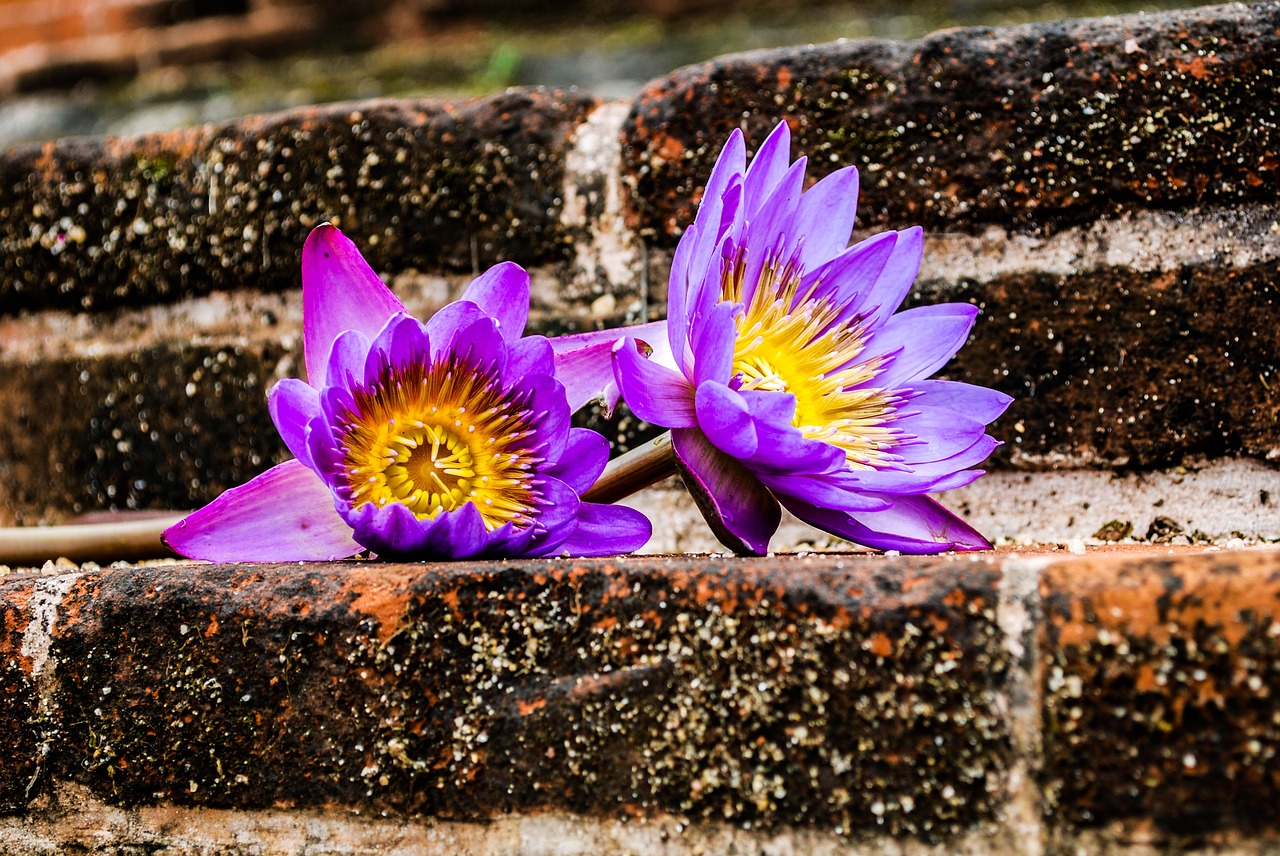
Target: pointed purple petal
{"x": 848, "y": 281}
{"x": 654, "y": 392}
{"x": 725, "y": 420}
{"x": 827, "y": 490}
{"x": 346, "y": 359}
{"x": 339, "y": 292}
{"x": 392, "y": 530}
{"x": 557, "y": 512}
{"x": 769, "y": 238}
{"x": 825, "y": 217}
{"x": 293, "y": 404}
{"x": 920, "y": 341}
{"x": 403, "y": 341}
{"x": 584, "y": 458}
{"x": 284, "y": 515}
{"x": 531, "y": 355}
{"x": 897, "y": 277}
{"x": 728, "y": 169}
{"x": 551, "y": 415}
{"x": 782, "y": 448}
{"x": 738, "y": 508}
{"x": 502, "y": 292}
{"x": 977, "y": 402}
{"x": 445, "y": 328}
{"x": 713, "y": 344}
{"x": 606, "y": 530}
{"x": 928, "y": 477}
{"x": 915, "y": 524}
{"x": 766, "y": 169}
{"x": 939, "y": 432}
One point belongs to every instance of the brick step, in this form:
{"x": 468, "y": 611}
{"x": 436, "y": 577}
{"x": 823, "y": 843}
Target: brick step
{"x": 1006, "y": 703}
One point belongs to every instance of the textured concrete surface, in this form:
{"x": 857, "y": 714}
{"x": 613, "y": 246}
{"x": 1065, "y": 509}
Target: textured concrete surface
{"x": 999, "y": 703}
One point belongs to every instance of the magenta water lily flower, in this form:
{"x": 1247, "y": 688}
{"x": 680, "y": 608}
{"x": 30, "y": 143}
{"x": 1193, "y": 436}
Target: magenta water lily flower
{"x": 448, "y": 439}
{"x": 790, "y": 377}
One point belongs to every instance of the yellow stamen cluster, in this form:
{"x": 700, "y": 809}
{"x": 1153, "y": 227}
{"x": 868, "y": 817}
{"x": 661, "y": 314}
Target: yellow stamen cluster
{"x": 436, "y": 437}
{"x": 790, "y": 342}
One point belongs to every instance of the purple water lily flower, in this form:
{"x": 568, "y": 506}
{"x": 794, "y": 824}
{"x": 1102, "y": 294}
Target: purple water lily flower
{"x": 790, "y": 378}
{"x": 446, "y": 440}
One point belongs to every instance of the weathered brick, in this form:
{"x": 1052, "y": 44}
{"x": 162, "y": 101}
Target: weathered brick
{"x": 19, "y": 701}
{"x": 1127, "y": 367}
{"x": 709, "y": 688}
{"x": 1159, "y": 691}
{"x": 1039, "y": 126}
{"x": 97, "y": 223}
{"x": 167, "y": 426}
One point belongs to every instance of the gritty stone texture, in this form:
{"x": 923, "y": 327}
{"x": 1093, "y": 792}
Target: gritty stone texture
{"x": 1160, "y": 687}
{"x": 1124, "y": 367}
{"x": 841, "y": 692}
{"x": 93, "y": 223}
{"x": 19, "y": 702}
{"x": 1041, "y": 126}
{"x": 166, "y": 426}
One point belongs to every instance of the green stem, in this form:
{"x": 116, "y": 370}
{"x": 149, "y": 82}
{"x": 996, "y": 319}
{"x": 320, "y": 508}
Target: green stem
{"x": 642, "y": 466}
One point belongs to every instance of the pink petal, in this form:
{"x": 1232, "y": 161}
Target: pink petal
{"x": 339, "y": 292}
{"x": 284, "y": 515}
{"x": 503, "y": 292}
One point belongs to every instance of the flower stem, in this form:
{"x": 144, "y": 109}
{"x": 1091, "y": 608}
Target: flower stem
{"x": 642, "y": 466}
{"x": 130, "y": 540}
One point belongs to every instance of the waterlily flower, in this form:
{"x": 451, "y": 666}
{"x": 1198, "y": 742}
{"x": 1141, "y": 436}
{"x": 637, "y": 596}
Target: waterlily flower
{"x": 787, "y": 376}
{"x": 448, "y": 439}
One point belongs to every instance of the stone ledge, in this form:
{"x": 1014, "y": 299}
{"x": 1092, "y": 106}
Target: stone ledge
{"x": 1041, "y": 126}
{"x": 926, "y": 699}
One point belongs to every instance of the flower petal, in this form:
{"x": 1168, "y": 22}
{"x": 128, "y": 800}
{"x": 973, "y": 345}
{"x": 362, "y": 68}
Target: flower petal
{"x": 725, "y": 420}
{"x": 977, "y": 402}
{"x": 939, "y": 433}
{"x": 584, "y": 458}
{"x": 825, "y": 217}
{"x": 766, "y": 169}
{"x": 584, "y": 362}
{"x": 606, "y": 530}
{"x": 339, "y": 292}
{"x": 293, "y": 404}
{"x": 769, "y": 239}
{"x": 848, "y": 280}
{"x": 828, "y": 490}
{"x": 917, "y": 342}
{"x": 550, "y": 415}
{"x": 502, "y": 292}
{"x": 728, "y": 169}
{"x": 654, "y": 392}
{"x": 557, "y": 515}
{"x": 392, "y": 530}
{"x": 284, "y": 515}
{"x": 403, "y": 341}
{"x": 531, "y": 355}
{"x": 915, "y": 524}
{"x": 346, "y": 359}
{"x": 782, "y": 447}
{"x": 445, "y": 328}
{"x": 713, "y": 344}
{"x": 738, "y": 508}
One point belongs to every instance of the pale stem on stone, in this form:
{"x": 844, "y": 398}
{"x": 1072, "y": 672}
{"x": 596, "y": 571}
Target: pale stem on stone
{"x": 129, "y": 540}
{"x": 642, "y": 466}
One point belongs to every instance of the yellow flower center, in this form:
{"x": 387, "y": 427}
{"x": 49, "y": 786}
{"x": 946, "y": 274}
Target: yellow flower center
{"x": 788, "y": 342}
{"x": 436, "y": 437}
